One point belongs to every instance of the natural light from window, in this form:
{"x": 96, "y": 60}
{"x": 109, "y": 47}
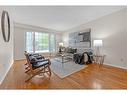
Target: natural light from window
{"x": 40, "y": 42}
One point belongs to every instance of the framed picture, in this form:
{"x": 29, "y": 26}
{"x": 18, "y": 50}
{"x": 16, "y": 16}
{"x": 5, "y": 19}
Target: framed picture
{"x": 80, "y": 39}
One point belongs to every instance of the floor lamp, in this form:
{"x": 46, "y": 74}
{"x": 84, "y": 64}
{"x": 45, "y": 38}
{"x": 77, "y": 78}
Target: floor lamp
{"x": 98, "y": 45}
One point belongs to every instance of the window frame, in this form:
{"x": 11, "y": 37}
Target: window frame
{"x": 48, "y": 43}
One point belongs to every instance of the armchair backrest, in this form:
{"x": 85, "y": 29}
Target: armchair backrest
{"x": 28, "y": 60}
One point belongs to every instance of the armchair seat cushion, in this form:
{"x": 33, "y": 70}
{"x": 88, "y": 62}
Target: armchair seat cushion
{"x": 40, "y": 64}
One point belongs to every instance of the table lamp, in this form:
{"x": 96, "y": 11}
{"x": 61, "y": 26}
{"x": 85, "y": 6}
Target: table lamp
{"x": 60, "y": 47}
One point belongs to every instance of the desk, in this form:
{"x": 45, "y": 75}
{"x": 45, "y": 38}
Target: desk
{"x": 99, "y": 59}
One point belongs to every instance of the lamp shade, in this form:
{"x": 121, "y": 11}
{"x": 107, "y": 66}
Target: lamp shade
{"x": 97, "y": 43}
{"x": 61, "y": 44}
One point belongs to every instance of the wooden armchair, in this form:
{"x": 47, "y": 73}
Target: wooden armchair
{"x": 36, "y": 66}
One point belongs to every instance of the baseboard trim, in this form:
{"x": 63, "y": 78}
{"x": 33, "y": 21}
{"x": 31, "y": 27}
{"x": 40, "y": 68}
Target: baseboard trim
{"x": 115, "y": 66}
{"x": 6, "y": 72}
{"x": 19, "y": 59}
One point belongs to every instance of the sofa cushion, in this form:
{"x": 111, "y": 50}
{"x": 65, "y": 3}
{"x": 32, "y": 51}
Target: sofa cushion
{"x": 71, "y": 50}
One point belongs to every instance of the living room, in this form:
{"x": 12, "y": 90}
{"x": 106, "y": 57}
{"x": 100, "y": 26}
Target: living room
{"x": 78, "y": 43}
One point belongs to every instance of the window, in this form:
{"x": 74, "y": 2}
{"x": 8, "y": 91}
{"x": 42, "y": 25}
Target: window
{"x": 52, "y": 42}
{"x": 29, "y": 41}
{"x": 40, "y": 42}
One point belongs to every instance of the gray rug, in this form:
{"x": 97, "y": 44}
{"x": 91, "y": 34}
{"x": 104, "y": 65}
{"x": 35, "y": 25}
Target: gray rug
{"x": 65, "y": 69}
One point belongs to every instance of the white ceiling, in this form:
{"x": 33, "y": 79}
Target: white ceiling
{"x": 60, "y": 18}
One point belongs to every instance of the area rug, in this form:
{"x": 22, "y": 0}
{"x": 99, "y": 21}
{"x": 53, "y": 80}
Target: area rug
{"x": 65, "y": 69}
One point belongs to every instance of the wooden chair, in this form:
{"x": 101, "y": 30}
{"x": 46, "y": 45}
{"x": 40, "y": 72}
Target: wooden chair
{"x": 39, "y": 67}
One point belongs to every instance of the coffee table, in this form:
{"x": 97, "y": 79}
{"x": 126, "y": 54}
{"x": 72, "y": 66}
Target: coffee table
{"x": 63, "y": 58}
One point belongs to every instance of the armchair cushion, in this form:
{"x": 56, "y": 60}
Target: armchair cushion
{"x": 32, "y": 59}
{"x": 35, "y": 57}
{"x": 40, "y": 64}
{"x": 39, "y": 57}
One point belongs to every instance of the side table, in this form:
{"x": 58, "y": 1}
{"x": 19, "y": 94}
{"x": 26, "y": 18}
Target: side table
{"x": 99, "y": 59}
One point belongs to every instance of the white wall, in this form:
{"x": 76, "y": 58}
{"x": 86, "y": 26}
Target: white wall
{"x": 112, "y": 29}
{"x": 6, "y": 49}
{"x": 20, "y": 39}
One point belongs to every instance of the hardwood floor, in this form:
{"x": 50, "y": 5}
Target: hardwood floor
{"x": 92, "y": 77}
